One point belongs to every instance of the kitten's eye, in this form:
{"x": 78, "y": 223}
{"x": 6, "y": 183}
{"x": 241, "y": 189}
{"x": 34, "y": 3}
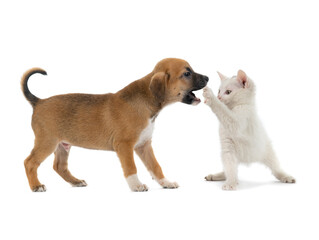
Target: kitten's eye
{"x": 218, "y": 91}
{"x": 228, "y": 92}
{"x": 187, "y": 74}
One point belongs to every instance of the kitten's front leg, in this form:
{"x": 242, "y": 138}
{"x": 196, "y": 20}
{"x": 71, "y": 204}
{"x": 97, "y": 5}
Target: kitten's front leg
{"x": 223, "y": 113}
{"x": 230, "y": 168}
{"x": 208, "y": 96}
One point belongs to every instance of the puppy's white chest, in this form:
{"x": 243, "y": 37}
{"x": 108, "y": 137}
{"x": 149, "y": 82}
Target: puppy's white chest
{"x": 146, "y": 134}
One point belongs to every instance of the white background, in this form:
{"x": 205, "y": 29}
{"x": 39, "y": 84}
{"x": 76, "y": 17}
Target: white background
{"x": 101, "y": 46}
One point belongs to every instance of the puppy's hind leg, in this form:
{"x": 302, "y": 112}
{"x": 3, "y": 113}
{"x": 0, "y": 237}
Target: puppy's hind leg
{"x": 60, "y": 165}
{"x": 43, "y": 147}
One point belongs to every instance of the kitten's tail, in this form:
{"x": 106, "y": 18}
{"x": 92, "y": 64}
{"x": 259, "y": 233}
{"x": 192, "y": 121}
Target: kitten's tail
{"x": 24, "y": 85}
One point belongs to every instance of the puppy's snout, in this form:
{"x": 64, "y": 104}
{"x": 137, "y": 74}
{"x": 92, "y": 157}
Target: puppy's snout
{"x": 203, "y": 80}
{"x": 200, "y": 81}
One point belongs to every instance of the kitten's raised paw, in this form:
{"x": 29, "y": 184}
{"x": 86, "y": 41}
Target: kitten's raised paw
{"x": 229, "y": 186}
{"x": 288, "y": 179}
{"x": 207, "y": 94}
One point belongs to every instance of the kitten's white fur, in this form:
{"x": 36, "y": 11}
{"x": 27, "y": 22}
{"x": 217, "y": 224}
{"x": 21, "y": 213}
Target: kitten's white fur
{"x": 243, "y": 138}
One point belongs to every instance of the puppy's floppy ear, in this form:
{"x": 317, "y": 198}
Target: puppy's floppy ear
{"x": 158, "y": 85}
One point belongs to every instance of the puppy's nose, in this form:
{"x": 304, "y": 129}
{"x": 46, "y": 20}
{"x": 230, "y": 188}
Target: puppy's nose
{"x": 206, "y": 78}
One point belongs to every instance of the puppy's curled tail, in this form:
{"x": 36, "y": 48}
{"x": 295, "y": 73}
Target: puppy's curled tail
{"x": 24, "y": 85}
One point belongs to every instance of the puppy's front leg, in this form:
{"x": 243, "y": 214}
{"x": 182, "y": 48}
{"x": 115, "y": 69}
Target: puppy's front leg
{"x": 146, "y": 154}
{"x": 125, "y": 154}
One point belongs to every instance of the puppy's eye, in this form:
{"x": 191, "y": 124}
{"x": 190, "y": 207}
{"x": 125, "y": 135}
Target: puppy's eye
{"x": 228, "y": 92}
{"x": 187, "y": 74}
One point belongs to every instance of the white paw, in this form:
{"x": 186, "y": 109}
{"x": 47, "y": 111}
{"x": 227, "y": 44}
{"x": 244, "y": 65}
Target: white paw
{"x": 167, "y": 184}
{"x": 209, "y": 177}
{"x": 40, "y": 188}
{"x": 139, "y": 188}
{"x": 229, "y": 186}
{"x": 216, "y": 177}
{"x": 82, "y": 183}
{"x": 208, "y": 95}
{"x": 287, "y": 179}
{"x": 135, "y": 184}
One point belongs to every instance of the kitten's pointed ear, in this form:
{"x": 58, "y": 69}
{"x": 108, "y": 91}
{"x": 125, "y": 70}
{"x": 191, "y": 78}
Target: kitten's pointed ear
{"x": 221, "y": 76}
{"x": 242, "y": 78}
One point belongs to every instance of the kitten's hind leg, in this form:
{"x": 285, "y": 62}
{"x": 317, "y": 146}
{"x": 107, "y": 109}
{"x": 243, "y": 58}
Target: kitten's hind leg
{"x": 272, "y": 162}
{"x": 216, "y": 177}
{"x": 283, "y": 177}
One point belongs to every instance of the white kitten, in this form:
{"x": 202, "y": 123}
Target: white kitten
{"x": 243, "y": 138}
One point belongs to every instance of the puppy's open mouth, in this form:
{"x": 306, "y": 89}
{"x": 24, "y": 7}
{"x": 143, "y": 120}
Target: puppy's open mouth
{"x": 190, "y": 98}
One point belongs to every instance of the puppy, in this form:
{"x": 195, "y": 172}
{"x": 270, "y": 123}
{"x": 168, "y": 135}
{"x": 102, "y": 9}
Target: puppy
{"x": 122, "y": 122}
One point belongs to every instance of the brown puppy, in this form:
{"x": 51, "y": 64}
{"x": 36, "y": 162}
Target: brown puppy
{"x": 121, "y": 122}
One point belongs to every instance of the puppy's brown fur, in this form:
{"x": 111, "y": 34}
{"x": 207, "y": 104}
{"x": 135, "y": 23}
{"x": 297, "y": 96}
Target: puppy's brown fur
{"x": 108, "y": 121}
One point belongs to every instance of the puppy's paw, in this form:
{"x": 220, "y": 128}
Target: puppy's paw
{"x": 135, "y": 184}
{"x": 81, "y": 183}
{"x": 40, "y": 188}
{"x": 229, "y": 186}
{"x": 208, "y": 95}
{"x": 287, "y": 179}
{"x": 167, "y": 184}
{"x": 139, "y": 188}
